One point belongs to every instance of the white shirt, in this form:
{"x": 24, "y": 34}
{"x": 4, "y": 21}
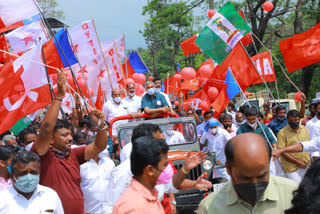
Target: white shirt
{"x": 165, "y": 188}
{"x": 94, "y": 184}
{"x": 132, "y": 104}
{"x": 43, "y": 198}
{"x": 175, "y": 138}
{"x": 200, "y": 128}
{"x": 217, "y": 143}
{"x": 313, "y": 127}
{"x": 125, "y": 152}
{"x": 312, "y": 145}
{"x": 112, "y": 110}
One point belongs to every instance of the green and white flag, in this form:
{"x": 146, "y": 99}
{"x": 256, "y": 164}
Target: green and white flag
{"x": 221, "y": 34}
{"x": 24, "y": 122}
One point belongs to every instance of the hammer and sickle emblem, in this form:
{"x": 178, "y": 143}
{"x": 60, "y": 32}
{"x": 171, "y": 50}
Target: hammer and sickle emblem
{"x": 11, "y": 107}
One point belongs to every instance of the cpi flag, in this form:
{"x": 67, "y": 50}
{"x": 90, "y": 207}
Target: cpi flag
{"x": 25, "y": 37}
{"x": 222, "y": 33}
{"x": 16, "y": 13}
{"x": 263, "y": 63}
{"x": 23, "y": 88}
{"x": 302, "y": 49}
{"x": 120, "y": 43}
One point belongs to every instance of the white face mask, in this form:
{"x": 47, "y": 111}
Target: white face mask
{"x": 252, "y": 125}
{"x": 131, "y": 94}
{"x": 151, "y": 91}
{"x": 214, "y": 131}
{"x": 104, "y": 154}
{"x": 117, "y": 99}
{"x": 157, "y": 90}
{"x": 169, "y": 131}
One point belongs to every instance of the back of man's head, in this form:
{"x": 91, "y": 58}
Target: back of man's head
{"x": 6, "y": 151}
{"x": 144, "y": 129}
{"x": 147, "y": 151}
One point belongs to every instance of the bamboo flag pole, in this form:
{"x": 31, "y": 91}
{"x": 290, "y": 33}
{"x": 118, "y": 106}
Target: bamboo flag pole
{"x": 125, "y": 54}
{"x": 115, "y": 46}
{"x": 103, "y": 56}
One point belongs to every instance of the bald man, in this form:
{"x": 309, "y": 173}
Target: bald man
{"x": 114, "y": 108}
{"x": 252, "y": 189}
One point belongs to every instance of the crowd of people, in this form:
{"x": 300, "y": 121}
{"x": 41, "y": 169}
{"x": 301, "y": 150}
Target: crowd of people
{"x": 72, "y": 165}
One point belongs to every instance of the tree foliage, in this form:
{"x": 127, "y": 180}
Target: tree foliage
{"x": 49, "y": 8}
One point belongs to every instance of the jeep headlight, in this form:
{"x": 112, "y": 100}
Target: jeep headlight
{"x": 207, "y": 165}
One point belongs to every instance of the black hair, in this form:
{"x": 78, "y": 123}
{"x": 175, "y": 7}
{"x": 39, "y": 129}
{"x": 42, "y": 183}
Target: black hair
{"x": 260, "y": 115}
{"x": 24, "y": 157}
{"x": 232, "y": 105}
{"x": 25, "y": 132}
{"x": 243, "y": 108}
{"x": 131, "y": 83}
{"x": 147, "y": 151}
{"x": 293, "y": 113}
{"x": 229, "y": 151}
{"x": 85, "y": 122}
{"x": 251, "y": 111}
{"x": 78, "y": 136}
{"x": 62, "y": 124}
{"x": 279, "y": 108}
{"x": 207, "y": 112}
{"x": 6, "y": 151}
{"x": 226, "y": 116}
{"x": 199, "y": 111}
{"x": 144, "y": 129}
{"x": 306, "y": 197}
{"x": 157, "y": 79}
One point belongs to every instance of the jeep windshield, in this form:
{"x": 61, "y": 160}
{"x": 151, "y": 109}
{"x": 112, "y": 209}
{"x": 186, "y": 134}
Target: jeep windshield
{"x": 176, "y": 133}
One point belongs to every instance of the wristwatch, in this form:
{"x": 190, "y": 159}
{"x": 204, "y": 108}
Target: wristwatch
{"x": 173, "y": 202}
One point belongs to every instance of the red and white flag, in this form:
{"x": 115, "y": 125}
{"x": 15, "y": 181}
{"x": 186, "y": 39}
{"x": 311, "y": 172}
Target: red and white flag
{"x": 120, "y": 43}
{"x": 16, "y": 13}
{"x": 23, "y": 88}
{"x": 67, "y": 103}
{"x": 25, "y": 37}
{"x": 264, "y": 65}
{"x": 113, "y": 63}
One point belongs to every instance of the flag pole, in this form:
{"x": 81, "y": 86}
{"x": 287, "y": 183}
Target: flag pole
{"x": 258, "y": 72}
{"x": 125, "y": 54}
{"x": 103, "y": 56}
{"x": 115, "y": 46}
{"x": 84, "y": 78}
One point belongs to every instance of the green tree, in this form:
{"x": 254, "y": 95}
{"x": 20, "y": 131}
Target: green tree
{"x": 49, "y": 9}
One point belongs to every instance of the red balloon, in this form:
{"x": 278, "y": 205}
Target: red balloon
{"x": 212, "y": 93}
{"x": 176, "y": 103}
{"x": 150, "y": 78}
{"x": 211, "y": 13}
{"x": 267, "y": 6}
{"x": 80, "y": 77}
{"x": 188, "y": 73}
{"x": 204, "y": 106}
{"x": 177, "y": 77}
{"x": 297, "y": 96}
{"x": 83, "y": 88}
{"x": 205, "y": 71}
{"x": 135, "y": 76}
{"x": 140, "y": 78}
{"x": 127, "y": 81}
{"x": 139, "y": 89}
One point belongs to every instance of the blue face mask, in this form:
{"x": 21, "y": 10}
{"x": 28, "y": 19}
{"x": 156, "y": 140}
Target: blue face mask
{"x": 27, "y": 183}
{"x": 151, "y": 91}
{"x": 9, "y": 169}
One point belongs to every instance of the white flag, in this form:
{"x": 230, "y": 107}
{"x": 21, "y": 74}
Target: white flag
{"x": 120, "y": 43}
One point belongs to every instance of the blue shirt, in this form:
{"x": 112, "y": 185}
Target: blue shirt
{"x": 275, "y": 125}
{"x": 158, "y": 101}
{"x": 245, "y": 128}
{"x": 110, "y": 148}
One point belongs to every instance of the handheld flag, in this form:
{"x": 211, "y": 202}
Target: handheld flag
{"x": 302, "y": 49}
{"x": 134, "y": 64}
{"x": 222, "y": 33}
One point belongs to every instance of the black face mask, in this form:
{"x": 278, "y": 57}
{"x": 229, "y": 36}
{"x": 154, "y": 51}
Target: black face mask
{"x": 252, "y": 192}
{"x": 318, "y": 114}
{"x": 294, "y": 125}
{"x": 227, "y": 126}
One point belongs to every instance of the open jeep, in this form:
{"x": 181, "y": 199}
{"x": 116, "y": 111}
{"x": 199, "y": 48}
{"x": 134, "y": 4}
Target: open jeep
{"x": 184, "y": 128}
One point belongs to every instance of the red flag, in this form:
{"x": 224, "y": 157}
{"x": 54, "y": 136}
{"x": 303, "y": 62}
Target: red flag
{"x": 195, "y": 100}
{"x": 174, "y": 86}
{"x": 263, "y": 62}
{"x": 100, "y": 100}
{"x": 195, "y": 84}
{"x": 189, "y": 46}
{"x": 23, "y": 89}
{"x": 243, "y": 70}
{"x": 302, "y": 49}
{"x": 4, "y": 58}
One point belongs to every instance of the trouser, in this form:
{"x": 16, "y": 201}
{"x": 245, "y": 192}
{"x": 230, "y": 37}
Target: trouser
{"x": 297, "y": 175}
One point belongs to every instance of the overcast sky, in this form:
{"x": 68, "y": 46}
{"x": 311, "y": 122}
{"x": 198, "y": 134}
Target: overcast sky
{"x": 112, "y": 18}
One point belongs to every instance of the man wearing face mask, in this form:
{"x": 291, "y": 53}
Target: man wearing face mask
{"x": 252, "y": 125}
{"x": 6, "y": 154}
{"x": 152, "y": 102}
{"x": 95, "y": 176}
{"x": 312, "y": 111}
{"x": 239, "y": 119}
{"x": 200, "y": 128}
{"x": 25, "y": 194}
{"x": 114, "y": 108}
{"x": 157, "y": 83}
{"x": 216, "y": 139}
{"x": 228, "y": 125}
{"x": 252, "y": 189}
{"x": 280, "y": 121}
{"x": 132, "y": 102}
{"x": 294, "y": 164}
{"x": 173, "y": 137}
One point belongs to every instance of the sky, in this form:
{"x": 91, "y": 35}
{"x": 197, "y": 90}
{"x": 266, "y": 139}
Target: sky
{"x": 113, "y": 18}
